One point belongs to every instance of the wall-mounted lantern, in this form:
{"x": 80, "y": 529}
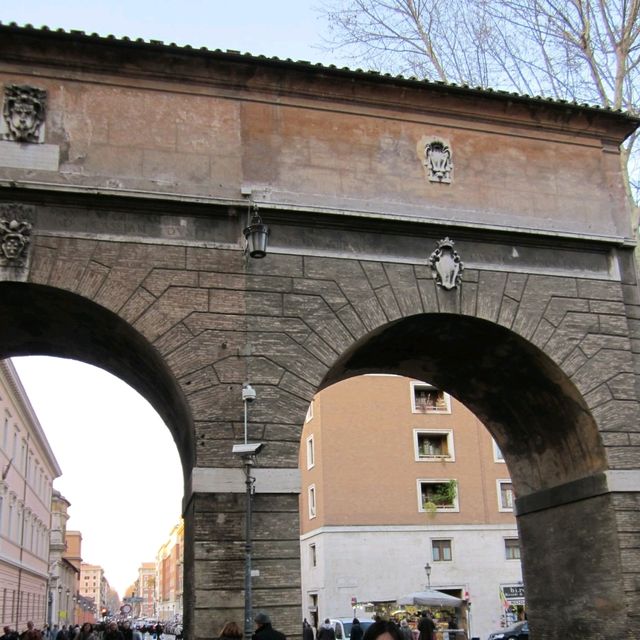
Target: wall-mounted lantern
{"x": 256, "y": 234}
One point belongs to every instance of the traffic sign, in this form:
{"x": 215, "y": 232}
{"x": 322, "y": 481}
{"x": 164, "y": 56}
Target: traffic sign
{"x": 125, "y": 608}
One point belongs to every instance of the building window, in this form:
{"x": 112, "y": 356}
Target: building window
{"x": 428, "y": 399}
{"x": 512, "y": 548}
{"x": 311, "y": 454}
{"x": 313, "y": 558}
{"x": 309, "y": 415}
{"x": 497, "y": 454}
{"x": 433, "y": 445}
{"x": 312, "y": 501}
{"x": 441, "y": 550}
{"x": 505, "y": 495}
{"x": 437, "y": 495}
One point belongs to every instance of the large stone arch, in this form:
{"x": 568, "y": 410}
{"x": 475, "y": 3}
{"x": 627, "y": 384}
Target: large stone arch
{"x": 551, "y": 441}
{"x": 186, "y": 325}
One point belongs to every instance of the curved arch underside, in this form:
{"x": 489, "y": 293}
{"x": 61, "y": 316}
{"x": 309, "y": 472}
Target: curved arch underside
{"x": 533, "y": 410}
{"x": 41, "y": 320}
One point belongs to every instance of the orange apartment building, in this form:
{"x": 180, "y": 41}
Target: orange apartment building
{"x": 84, "y": 607}
{"x": 169, "y": 578}
{"x": 141, "y": 595}
{"x": 397, "y": 474}
{"x": 95, "y": 586}
{"x": 145, "y": 590}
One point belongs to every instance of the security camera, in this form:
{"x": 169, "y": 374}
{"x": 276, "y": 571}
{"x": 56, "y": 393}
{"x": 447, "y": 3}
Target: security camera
{"x": 248, "y": 448}
{"x": 248, "y": 393}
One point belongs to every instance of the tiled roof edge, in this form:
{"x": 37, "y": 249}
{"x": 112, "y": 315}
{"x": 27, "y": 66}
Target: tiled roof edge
{"x": 305, "y": 65}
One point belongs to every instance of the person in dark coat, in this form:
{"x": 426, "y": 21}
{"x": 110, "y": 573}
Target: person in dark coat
{"x": 326, "y": 631}
{"x": 405, "y": 630}
{"x": 356, "y": 630}
{"x": 31, "y": 633}
{"x": 9, "y": 634}
{"x": 426, "y": 627}
{"x": 112, "y": 632}
{"x": 307, "y": 631}
{"x": 264, "y": 630}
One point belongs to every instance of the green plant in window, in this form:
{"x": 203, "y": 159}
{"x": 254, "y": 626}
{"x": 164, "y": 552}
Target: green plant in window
{"x": 442, "y": 495}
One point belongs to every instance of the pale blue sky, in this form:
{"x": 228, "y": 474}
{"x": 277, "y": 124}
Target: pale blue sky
{"x": 282, "y": 28}
{"x": 120, "y": 467}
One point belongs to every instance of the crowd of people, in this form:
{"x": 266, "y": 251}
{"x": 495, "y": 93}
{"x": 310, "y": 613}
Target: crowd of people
{"x": 380, "y": 630}
{"x": 422, "y": 628}
{"x": 88, "y": 631}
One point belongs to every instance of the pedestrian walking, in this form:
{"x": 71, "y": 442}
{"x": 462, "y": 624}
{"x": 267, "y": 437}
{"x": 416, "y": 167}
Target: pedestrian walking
{"x": 426, "y": 627}
{"x": 87, "y": 632}
{"x": 112, "y": 632}
{"x": 9, "y": 634}
{"x": 264, "y": 629}
{"x": 405, "y": 630}
{"x": 326, "y": 631}
{"x": 31, "y": 633}
{"x": 307, "y": 631}
{"x": 230, "y": 631}
{"x": 381, "y": 628}
{"x": 356, "y": 630}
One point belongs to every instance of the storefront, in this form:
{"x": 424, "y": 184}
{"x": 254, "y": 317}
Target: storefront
{"x": 513, "y": 603}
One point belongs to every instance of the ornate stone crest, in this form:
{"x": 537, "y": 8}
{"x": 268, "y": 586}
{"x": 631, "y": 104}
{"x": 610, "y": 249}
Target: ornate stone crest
{"x": 438, "y": 161}
{"x": 24, "y": 113}
{"x": 14, "y": 235}
{"x": 446, "y": 265}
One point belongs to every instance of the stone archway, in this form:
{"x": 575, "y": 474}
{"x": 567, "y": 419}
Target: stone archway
{"x": 294, "y": 323}
{"x": 553, "y": 446}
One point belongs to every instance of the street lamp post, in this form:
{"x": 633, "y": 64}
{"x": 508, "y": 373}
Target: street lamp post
{"x": 248, "y": 451}
{"x": 50, "y": 607}
{"x": 59, "y": 602}
{"x": 427, "y": 568}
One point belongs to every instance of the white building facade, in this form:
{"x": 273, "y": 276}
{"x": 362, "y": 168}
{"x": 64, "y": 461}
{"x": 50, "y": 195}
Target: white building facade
{"x": 27, "y": 470}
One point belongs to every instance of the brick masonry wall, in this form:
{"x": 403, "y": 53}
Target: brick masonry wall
{"x": 284, "y": 322}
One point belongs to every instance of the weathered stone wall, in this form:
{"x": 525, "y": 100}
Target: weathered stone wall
{"x": 130, "y": 118}
{"x": 286, "y": 323}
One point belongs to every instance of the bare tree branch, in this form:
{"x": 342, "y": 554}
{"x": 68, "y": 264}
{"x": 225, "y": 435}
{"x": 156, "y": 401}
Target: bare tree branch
{"x": 581, "y": 50}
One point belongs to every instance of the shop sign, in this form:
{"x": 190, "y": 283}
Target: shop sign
{"x": 514, "y": 594}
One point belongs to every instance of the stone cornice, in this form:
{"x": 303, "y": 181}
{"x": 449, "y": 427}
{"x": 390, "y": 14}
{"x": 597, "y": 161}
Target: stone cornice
{"x": 77, "y": 52}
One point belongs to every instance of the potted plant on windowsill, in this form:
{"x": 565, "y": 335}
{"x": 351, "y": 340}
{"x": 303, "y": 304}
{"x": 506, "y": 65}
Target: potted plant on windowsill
{"x": 442, "y": 498}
